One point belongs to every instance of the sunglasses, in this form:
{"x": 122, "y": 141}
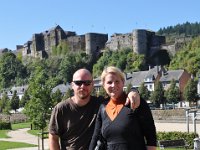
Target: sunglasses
{"x": 83, "y": 82}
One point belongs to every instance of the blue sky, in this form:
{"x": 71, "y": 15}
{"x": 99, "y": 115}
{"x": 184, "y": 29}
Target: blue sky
{"x": 20, "y": 19}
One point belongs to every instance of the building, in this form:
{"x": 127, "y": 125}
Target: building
{"x": 149, "y": 77}
{"x": 20, "y": 91}
{"x": 62, "y": 87}
{"x": 198, "y": 86}
{"x": 140, "y": 40}
{"x": 181, "y": 78}
{"x": 41, "y": 44}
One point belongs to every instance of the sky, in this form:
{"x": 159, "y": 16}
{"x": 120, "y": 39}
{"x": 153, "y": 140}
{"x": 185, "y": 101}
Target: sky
{"x": 20, "y": 19}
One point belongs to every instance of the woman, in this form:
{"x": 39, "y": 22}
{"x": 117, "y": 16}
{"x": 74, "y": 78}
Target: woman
{"x": 121, "y": 127}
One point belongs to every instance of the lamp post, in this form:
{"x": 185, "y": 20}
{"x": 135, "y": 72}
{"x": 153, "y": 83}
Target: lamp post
{"x": 187, "y": 110}
{"x": 194, "y": 114}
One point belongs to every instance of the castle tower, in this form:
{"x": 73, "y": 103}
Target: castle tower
{"x": 94, "y": 42}
{"x": 140, "y": 41}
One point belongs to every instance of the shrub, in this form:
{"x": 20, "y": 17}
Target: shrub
{"x": 5, "y": 126}
{"x": 189, "y": 137}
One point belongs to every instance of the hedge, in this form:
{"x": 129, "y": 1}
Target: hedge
{"x": 189, "y": 137}
{"x": 5, "y": 126}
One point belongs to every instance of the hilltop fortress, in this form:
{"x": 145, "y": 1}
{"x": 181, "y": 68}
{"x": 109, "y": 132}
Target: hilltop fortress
{"x": 141, "y": 41}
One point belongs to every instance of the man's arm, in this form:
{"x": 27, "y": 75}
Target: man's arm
{"x": 54, "y": 142}
{"x": 147, "y": 124}
{"x": 133, "y": 99}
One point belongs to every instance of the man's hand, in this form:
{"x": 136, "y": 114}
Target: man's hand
{"x": 133, "y": 99}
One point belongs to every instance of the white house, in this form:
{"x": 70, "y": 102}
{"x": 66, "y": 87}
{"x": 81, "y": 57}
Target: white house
{"x": 20, "y": 91}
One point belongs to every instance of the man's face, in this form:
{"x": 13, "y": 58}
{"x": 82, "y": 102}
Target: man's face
{"x": 82, "y": 85}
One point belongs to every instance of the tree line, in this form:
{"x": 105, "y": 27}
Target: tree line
{"x": 185, "y": 29}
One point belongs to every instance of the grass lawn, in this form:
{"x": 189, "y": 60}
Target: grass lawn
{"x": 3, "y": 134}
{"x": 34, "y": 132}
{"x": 21, "y": 125}
{"x": 8, "y": 145}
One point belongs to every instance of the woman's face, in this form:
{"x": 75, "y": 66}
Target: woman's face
{"x": 113, "y": 85}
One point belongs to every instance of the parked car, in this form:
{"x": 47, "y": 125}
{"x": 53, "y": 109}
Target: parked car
{"x": 152, "y": 106}
{"x": 169, "y": 106}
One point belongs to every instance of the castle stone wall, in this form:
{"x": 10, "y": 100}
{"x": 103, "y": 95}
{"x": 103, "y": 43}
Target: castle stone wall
{"x": 94, "y": 42}
{"x": 169, "y": 48}
{"x": 141, "y": 41}
{"x": 76, "y": 43}
{"x": 119, "y": 41}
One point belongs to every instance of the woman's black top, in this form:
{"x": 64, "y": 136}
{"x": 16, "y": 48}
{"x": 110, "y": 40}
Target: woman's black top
{"x": 130, "y": 130}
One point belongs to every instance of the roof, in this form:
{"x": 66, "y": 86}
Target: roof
{"x": 138, "y": 78}
{"x": 52, "y": 29}
{"x": 171, "y": 74}
{"x": 141, "y": 76}
{"x": 19, "y": 88}
{"x": 62, "y": 87}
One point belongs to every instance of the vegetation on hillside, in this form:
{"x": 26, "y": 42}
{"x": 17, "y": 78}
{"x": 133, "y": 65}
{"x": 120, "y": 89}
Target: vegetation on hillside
{"x": 180, "y": 30}
{"x": 124, "y": 59}
{"x": 188, "y": 58}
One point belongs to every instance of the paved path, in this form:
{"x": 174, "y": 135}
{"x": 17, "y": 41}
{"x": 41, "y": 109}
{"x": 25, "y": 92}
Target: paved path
{"x": 176, "y": 127}
{"x": 21, "y": 135}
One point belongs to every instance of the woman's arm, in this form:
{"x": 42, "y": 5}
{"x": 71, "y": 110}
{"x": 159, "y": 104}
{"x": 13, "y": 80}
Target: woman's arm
{"x": 97, "y": 129}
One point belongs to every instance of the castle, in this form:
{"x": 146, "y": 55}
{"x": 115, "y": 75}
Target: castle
{"x": 141, "y": 41}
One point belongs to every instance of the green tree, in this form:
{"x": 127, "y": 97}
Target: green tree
{"x": 12, "y": 71}
{"x": 157, "y": 95}
{"x": 101, "y": 63}
{"x": 56, "y": 97}
{"x": 190, "y": 91}
{"x": 14, "y": 103}
{"x": 37, "y": 108}
{"x": 128, "y": 89}
{"x": 70, "y": 63}
{"x": 144, "y": 92}
{"x": 25, "y": 99}
{"x": 172, "y": 94}
{"x": 5, "y": 104}
{"x": 102, "y": 92}
{"x": 187, "y": 58}
{"x": 53, "y": 66}
{"x": 68, "y": 94}
{"x": 124, "y": 59}
{"x": 135, "y": 62}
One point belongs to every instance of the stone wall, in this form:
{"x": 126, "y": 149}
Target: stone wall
{"x": 168, "y": 114}
{"x": 119, "y": 41}
{"x": 141, "y": 41}
{"x": 13, "y": 118}
{"x": 95, "y": 42}
{"x": 41, "y": 44}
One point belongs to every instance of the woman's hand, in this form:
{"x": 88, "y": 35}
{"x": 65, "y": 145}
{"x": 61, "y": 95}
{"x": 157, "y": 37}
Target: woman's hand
{"x": 133, "y": 99}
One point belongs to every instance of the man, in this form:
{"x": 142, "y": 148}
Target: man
{"x": 72, "y": 121}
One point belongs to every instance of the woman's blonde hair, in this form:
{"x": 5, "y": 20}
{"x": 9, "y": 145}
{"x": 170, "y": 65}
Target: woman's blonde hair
{"x": 114, "y": 70}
